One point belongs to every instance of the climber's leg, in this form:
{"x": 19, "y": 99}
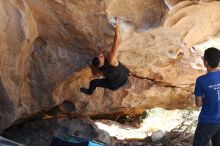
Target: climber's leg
{"x": 104, "y": 83}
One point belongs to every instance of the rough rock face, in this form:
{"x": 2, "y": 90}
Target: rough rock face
{"x": 46, "y": 45}
{"x": 18, "y": 31}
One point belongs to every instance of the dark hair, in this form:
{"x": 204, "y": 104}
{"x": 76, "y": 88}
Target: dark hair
{"x": 95, "y": 62}
{"x": 212, "y": 56}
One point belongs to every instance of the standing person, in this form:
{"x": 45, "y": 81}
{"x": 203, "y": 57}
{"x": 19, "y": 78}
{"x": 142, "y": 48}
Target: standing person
{"x": 207, "y": 95}
{"x": 115, "y": 74}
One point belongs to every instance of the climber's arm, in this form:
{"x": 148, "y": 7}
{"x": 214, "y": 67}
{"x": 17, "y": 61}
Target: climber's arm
{"x": 114, "y": 50}
{"x": 95, "y": 71}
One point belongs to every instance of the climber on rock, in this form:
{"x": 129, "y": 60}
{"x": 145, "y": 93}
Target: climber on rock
{"x": 115, "y": 74}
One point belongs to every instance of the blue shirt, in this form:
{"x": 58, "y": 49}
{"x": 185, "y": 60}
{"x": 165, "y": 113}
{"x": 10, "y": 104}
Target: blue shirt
{"x": 208, "y": 86}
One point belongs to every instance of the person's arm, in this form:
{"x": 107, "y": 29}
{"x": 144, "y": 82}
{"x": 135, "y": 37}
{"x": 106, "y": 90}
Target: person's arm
{"x": 114, "y": 50}
{"x": 199, "y": 101}
{"x": 95, "y": 71}
{"x": 198, "y": 93}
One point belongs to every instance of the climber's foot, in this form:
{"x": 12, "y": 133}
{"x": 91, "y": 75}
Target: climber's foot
{"x": 85, "y": 91}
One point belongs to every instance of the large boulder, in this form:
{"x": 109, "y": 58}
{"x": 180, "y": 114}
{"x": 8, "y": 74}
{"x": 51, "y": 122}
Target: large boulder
{"x": 46, "y": 46}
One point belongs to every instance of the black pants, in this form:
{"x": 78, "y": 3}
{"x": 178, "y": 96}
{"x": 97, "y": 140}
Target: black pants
{"x": 104, "y": 83}
{"x": 205, "y": 132}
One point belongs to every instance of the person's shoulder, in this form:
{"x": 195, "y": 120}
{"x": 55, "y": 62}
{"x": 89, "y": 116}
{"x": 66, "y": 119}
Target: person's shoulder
{"x": 201, "y": 77}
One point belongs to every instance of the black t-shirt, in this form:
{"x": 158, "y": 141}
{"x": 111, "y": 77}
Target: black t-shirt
{"x": 117, "y": 75}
